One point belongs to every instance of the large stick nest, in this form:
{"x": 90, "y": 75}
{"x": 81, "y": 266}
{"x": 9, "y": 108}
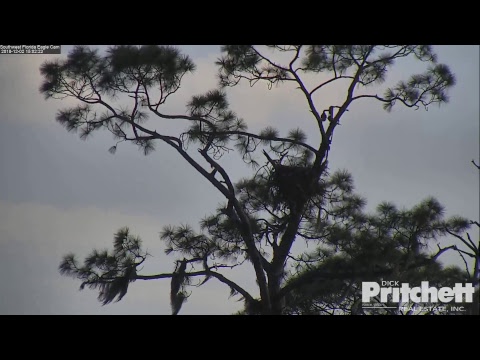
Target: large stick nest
{"x": 293, "y": 184}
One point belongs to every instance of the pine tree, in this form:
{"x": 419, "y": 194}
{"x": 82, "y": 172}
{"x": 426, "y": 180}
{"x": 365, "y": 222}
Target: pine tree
{"x": 391, "y": 244}
{"x": 292, "y": 180}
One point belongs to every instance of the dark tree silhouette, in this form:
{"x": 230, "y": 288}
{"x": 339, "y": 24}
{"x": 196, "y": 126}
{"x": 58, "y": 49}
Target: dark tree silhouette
{"x": 261, "y": 229}
{"x": 331, "y": 284}
{"x": 471, "y": 250}
{"x": 391, "y": 244}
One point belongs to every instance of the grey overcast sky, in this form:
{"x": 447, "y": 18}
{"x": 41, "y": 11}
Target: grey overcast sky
{"x": 59, "y": 194}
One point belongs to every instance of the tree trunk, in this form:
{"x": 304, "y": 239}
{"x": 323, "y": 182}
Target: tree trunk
{"x": 274, "y": 282}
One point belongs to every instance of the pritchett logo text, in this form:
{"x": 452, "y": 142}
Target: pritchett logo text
{"x": 423, "y": 293}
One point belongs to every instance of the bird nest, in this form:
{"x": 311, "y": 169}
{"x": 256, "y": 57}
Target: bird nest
{"x": 293, "y": 185}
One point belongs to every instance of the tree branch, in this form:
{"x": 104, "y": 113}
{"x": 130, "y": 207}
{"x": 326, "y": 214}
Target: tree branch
{"x": 308, "y": 96}
{"x": 471, "y": 247}
{"x": 233, "y": 132}
{"x": 268, "y": 60}
{"x": 328, "y": 82}
{"x": 214, "y": 274}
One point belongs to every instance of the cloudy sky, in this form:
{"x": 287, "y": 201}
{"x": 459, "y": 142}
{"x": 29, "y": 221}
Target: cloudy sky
{"x": 60, "y": 194}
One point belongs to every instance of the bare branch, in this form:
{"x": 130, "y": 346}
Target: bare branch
{"x": 329, "y": 81}
{"x": 214, "y": 274}
{"x": 470, "y": 246}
